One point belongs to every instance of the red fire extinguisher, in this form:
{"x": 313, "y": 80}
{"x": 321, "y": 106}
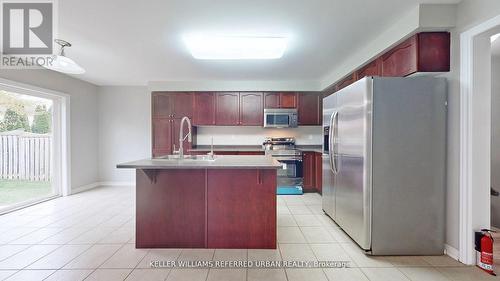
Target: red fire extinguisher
{"x": 485, "y": 251}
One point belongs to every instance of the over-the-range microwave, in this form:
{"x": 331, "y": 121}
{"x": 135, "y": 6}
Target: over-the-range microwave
{"x": 280, "y": 118}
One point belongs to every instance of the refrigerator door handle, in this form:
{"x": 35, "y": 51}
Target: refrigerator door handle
{"x": 333, "y": 165}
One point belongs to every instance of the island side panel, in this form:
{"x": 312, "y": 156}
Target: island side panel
{"x": 241, "y": 210}
{"x": 170, "y": 208}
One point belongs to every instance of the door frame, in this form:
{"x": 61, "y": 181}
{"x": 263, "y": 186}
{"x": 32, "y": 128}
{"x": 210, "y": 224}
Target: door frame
{"x": 61, "y": 133}
{"x": 475, "y": 132}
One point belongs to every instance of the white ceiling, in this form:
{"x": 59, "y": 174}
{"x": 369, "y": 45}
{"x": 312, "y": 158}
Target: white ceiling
{"x": 132, "y": 42}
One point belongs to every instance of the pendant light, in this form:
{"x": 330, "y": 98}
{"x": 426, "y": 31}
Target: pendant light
{"x": 62, "y": 63}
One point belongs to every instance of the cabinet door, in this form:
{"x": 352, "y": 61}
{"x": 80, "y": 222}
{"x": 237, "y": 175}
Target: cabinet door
{"x": 434, "y": 52}
{"x": 251, "y": 111}
{"x": 162, "y": 136}
{"x": 239, "y": 208}
{"x": 310, "y": 107}
{"x": 271, "y": 100}
{"x": 308, "y": 171}
{"x": 227, "y": 109}
{"x": 402, "y": 60}
{"x": 371, "y": 69}
{"x": 346, "y": 82}
{"x": 204, "y": 109}
{"x": 318, "y": 170}
{"x": 161, "y": 105}
{"x": 182, "y": 105}
{"x": 176, "y": 125}
{"x": 288, "y": 100}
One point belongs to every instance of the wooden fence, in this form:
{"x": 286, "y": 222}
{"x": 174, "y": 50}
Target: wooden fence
{"x": 25, "y": 156}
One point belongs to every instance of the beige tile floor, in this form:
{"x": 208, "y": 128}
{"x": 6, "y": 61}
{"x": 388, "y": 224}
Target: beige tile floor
{"x": 90, "y": 236}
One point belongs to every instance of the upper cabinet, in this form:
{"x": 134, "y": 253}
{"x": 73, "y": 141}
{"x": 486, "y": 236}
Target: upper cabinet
{"x": 161, "y": 105}
{"x": 423, "y": 52}
{"x": 371, "y": 69}
{"x": 182, "y": 105}
{"x": 288, "y": 100}
{"x": 280, "y": 100}
{"x": 401, "y": 60}
{"x": 271, "y": 100}
{"x": 251, "y": 109}
{"x": 346, "y": 81}
{"x": 204, "y": 109}
{"x": 227, "y": 109}
{"x": 234, "y": 108}
{"x": 172, "y": 105}
{"x": 310, "y": 109}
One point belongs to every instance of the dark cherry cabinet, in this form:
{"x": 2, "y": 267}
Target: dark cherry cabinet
{"x": 168, "y": 110}
{"x": 310, "y": 109}
{"x": 346, "y": 82}
{"x": 204, "y": 109}
{"x": 280, "y": 100}
{"x": 161, "y": 105}
{"x": 308, "y": 171}
{"x": 271, "y": 100}
{"x": 172, "y": 105}
{"x": 182, "y": 105}
{"x": 251, "y": 111}
{"x": 400, "y": 61}
{"x": 422, "y": 52}
{"x": 288, "y": 100}
{"x": 318, "y": 165}
{"x": 162, "y": 136}
{"x": 227, "y": 109}
{"x": 239, "y": 208}
{"x": 312, "y": 165}
{"x": 371, "y": 69}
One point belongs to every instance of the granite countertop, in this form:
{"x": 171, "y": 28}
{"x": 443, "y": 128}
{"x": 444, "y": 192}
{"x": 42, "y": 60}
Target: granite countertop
{"x": 202, "y": 148}
{"x": 220, "y": 162}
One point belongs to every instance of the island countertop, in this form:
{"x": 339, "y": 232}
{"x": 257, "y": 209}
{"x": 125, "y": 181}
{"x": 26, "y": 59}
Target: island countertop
{"x": 219, "y": 162}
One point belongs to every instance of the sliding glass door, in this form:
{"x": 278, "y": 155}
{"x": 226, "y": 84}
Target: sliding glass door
{"x": 26, "y": 150}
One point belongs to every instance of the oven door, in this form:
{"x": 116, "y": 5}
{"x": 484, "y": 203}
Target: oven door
{"x": 291, "y": 173}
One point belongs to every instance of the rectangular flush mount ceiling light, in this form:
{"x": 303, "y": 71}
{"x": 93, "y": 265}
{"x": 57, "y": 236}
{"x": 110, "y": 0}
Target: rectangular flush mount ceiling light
{"x": 235, "y": 47}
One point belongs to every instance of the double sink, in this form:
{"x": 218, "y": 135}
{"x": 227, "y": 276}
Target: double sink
{"x": 187, "y": 158}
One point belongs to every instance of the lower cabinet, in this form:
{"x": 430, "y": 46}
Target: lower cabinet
{"x": 312, "y": 164}
{"x": 239, "y": 208}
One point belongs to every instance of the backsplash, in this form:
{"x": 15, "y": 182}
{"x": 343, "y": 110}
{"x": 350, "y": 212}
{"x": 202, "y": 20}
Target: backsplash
{"x": 233, "y": 135}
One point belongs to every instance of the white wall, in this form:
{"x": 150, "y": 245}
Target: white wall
{"x": 495, "y": 139}
{"x": 124, "y": 130}
{"x": 469, "y": 14}
{"x": 83, "y": 113}
{"x": 306, "y": 135}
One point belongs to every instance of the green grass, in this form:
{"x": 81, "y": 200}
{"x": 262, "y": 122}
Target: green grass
{"x": 15, "y": 191}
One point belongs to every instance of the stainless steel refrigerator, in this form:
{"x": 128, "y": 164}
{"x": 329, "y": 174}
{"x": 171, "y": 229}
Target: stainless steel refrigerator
{"x": 384, "y": 164}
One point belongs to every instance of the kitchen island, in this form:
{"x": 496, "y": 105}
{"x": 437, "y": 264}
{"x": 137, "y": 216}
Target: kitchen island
{"x": 199, "y": 202}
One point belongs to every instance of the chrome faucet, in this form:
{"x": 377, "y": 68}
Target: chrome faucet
{"x": 183, "y": 138}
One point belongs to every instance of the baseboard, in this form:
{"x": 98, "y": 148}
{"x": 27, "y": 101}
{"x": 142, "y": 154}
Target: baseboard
{"x": 451, "y": 252}
{"x": 116, "y": 183}
{"x": 100, "y": 183}
{"x": 84, "y": 188}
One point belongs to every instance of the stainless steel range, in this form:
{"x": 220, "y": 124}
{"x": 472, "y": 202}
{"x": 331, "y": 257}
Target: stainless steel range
{"x": 283, "y": 150}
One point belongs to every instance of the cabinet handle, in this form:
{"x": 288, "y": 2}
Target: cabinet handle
{"x": 259, "y": 177}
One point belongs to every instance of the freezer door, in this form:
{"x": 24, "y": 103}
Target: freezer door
{"x": 328, "y": 180}
{"x": 353, "y": 180}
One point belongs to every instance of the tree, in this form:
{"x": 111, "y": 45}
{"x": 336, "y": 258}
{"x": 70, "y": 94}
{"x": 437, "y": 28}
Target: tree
{"x": 42, "y": 120}
{"x": 14, "y": 120}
